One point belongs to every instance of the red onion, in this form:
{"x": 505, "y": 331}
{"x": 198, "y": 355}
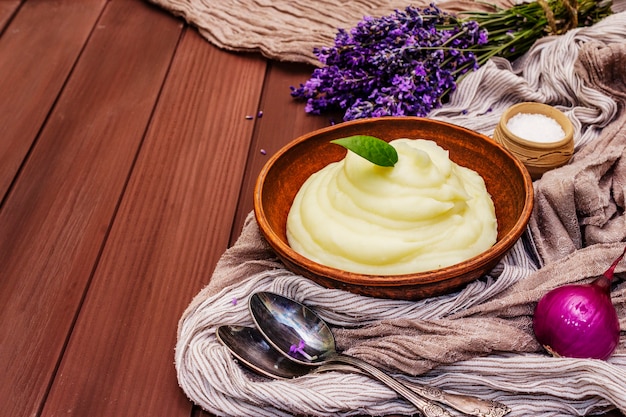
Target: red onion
{"x": 579, "y": 321}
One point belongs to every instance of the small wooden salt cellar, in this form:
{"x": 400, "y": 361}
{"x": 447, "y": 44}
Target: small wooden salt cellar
{"x": 537, "y": 156}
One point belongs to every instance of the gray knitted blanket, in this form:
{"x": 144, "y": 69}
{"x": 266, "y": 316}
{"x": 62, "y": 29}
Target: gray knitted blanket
{"x": 479, "y": 340}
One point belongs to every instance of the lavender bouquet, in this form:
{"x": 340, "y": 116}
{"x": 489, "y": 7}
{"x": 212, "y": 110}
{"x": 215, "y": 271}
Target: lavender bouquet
{"x": 407, "y": 63}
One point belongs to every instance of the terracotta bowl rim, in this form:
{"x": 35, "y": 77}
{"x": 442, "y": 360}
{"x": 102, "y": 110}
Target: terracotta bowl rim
{"x": 498, "y": 250}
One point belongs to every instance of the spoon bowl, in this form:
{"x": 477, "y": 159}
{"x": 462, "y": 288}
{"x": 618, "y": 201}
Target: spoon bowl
{"x": 293, "y": 328}
{"x": 251, "y": 349}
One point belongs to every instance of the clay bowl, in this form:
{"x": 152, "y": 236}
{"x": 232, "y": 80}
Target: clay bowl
{"x": 506, "y": 178}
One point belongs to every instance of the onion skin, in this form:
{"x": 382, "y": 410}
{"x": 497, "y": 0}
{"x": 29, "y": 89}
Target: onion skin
{"x": 577, "y": 321}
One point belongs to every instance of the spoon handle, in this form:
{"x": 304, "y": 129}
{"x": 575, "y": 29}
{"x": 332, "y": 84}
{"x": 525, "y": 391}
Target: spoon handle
{"x": 466, "y": 404}
{"x": 425, "y": 406}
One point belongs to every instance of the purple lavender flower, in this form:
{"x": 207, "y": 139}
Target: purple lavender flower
{"x": 294, "y": 350}
{"x": 408, "y": 62}
{"x": 396, "y": 65}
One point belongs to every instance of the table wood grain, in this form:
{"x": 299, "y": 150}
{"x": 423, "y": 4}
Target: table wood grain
{"x": 129, "y": 148}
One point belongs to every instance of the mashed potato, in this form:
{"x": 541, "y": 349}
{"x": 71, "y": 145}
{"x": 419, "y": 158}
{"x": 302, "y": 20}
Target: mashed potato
{"x": 424, "y": 213}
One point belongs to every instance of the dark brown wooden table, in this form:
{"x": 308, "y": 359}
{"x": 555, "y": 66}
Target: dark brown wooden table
{"x": 127, "y": 164}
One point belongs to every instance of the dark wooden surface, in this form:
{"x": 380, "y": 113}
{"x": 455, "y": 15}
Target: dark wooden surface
{"x": 126, "y": 169}
{"x": 127, "y": 165}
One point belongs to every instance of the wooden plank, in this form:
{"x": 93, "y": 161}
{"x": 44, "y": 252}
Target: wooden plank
{"x": 7, "y": 8}
{"x": 283, "y": 119}
{"x": 172, "y": 226}
{"x": 53, "y": 224}
{"x": 34, "y": 69}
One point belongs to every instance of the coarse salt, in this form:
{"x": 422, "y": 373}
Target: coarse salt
{"x": 535, "y": 127}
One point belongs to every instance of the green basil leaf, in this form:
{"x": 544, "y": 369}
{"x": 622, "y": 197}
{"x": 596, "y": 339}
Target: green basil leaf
{"x": 375, "y": 150}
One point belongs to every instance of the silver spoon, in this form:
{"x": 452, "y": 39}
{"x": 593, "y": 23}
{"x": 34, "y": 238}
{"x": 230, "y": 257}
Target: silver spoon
{"x": 250, "y": 348}
{"x": 303, "y": 337}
